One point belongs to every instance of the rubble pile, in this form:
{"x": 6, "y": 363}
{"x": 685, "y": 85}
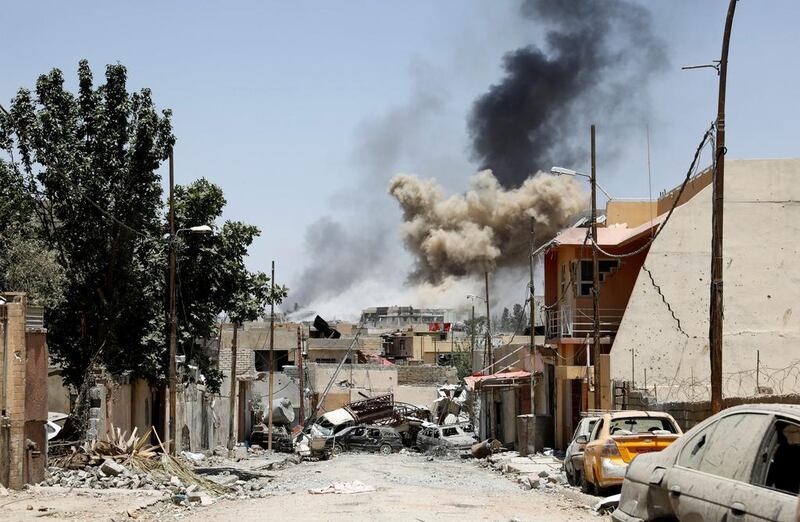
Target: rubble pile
{"x": 540, "y": 471}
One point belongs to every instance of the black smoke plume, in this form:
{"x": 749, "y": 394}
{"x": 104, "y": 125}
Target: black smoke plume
{"x": 596, "y": 63}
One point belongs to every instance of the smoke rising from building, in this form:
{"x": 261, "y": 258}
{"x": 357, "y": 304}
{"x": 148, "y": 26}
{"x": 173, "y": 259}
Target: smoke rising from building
{"x": 485, "y": 228}
{"x": 597, "y": 60}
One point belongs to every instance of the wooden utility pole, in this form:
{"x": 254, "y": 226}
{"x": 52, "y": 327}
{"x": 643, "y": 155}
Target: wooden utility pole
{"x": 533, "y": 318}
{"x": 232, "y": 401}
{"x": 717, "y": 211}
{"x": 488, "y": 325}
{"x": 301, "y": 375}
{"x": 271, "y": 355}
{"x": 171, "y": 419}
{"x": 595, "y": 282}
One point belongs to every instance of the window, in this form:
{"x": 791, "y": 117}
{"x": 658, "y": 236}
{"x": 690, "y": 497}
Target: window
{"x": 325, "y": 360}
{"x": 586, "y": 281}
{"x": 374, "y": 434}
{"x": 728, "y": 448}
{"x": 782, "y": 458}
{"x": 357, "y": 432}
{"x": 640, "y": 425}
{"x": 262, "y": 360}
{"x": 597, "y": 429}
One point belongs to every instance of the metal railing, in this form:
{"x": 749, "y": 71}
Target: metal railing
{"x": 566, "y": 321}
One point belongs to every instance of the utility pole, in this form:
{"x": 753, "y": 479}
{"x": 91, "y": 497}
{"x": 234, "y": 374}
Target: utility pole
{"x": 232, "y": 401}
{"x": 472, "y": 340}
{"x": 302, "y": 376}
{"x": 533, "y": 319}
{"x": 488, "y": 325}
{"x": 173, "y": 313}
{"x": 717, "y": 211}
{"x": 595, "y": 282}
{"x": 271, "y": 354}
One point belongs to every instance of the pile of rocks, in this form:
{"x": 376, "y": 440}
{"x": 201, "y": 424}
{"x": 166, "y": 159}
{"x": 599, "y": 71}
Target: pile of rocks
{"x": 540, "y": 471}
{"x": 107, "y": 475}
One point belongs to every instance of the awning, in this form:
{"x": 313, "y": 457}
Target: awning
{"x": 496, "y": 378}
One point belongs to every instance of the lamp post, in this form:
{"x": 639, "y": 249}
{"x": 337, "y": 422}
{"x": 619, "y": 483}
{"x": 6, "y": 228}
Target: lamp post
{"x": 595, "y": 272}
{"x": 173, "y": 305}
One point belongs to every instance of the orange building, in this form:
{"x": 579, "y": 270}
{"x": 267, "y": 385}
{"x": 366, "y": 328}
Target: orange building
{"x": 568, "y": 277}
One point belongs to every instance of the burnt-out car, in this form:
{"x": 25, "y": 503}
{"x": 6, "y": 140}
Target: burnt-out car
{"x": 382, "y": 439}
{"x": 740, "y": 464}
{"x": 455, "y": 438}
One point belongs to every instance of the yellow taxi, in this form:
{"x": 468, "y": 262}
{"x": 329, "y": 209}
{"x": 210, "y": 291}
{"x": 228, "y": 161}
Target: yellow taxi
{"x": 617, "y": 438}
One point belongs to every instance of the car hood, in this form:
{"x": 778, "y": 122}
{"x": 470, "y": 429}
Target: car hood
{"x": 458, "y": 440}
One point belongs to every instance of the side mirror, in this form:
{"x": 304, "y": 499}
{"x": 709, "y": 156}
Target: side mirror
{"x": 582, "y": 439}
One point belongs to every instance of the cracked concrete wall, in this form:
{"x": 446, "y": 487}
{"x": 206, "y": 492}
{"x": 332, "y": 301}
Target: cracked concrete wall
{"x": 761, "y": 278}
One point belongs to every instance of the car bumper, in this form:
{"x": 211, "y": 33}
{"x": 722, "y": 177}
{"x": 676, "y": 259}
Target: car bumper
{"x": 621, "y": 516}
{"x": 612, "y": 472}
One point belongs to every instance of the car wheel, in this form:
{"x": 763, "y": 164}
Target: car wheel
{"x": 586, "y": 486}
{"x": 385, "y": 449}
{"x": 570, "y": 477}
{"x": 337, "y": 449}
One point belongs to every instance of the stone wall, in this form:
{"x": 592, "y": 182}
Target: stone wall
{"x": 426, "y": 374}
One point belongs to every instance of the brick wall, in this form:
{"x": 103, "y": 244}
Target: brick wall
{"x": 12, "y": 434}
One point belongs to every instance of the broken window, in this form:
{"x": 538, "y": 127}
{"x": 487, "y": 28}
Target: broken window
{"x": 586, "y": 281}
{"x": 449, "y": 432}
{"x": 262, "y": 360}
{"x": 782, "y": 458}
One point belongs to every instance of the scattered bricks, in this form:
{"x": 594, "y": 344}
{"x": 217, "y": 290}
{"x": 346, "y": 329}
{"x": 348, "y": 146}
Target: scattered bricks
{"x": 111, "y": 468}
{"x": 534, "y": 482}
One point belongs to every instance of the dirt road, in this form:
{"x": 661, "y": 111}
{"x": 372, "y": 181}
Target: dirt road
{"x": 409, "y": 487}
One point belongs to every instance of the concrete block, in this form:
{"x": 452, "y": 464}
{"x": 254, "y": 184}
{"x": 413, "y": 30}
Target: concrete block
{"x": 111, "y": 468}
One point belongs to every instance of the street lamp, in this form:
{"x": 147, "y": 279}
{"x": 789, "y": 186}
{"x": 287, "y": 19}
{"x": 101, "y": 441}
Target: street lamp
{"x": 173, "y": 320}
{"x": 561, "y": 171}
{"x": 595, "y": 271}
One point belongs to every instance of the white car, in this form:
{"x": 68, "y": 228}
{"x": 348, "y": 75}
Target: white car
{"x": 740, "y": 464}
{"x": 457, "y": 438}
{"x": 573, "y": 458}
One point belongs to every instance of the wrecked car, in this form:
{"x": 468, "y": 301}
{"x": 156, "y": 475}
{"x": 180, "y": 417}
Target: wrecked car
{"x": 616, "y": 439}
{"x": 365, "y": 438}
{"x": 573, "y": 458}
{"x": 740, "y": 464}
{"x": 457, "y": 438}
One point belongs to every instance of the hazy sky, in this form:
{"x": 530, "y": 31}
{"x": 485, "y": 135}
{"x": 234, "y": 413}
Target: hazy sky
{"x": 278, "y": 102}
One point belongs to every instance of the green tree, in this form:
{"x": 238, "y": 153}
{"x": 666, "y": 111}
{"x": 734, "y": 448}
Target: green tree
{"x": 518, "y": 319}
{"x": 505, "y": 321}
{"x": 90, "y": 162}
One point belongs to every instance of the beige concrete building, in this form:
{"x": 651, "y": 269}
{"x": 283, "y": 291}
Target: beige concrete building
{"x": 662, "y": 341}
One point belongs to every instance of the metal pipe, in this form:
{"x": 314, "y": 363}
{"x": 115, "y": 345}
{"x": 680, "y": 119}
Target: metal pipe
{"x": 595, "y": 281}
{"x": 173, "y": 313}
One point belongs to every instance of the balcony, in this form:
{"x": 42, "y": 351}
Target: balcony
{"x": 566, "y": 321}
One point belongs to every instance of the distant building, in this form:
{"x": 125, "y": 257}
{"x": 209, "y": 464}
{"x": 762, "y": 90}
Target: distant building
{"x": 400, "y": 316}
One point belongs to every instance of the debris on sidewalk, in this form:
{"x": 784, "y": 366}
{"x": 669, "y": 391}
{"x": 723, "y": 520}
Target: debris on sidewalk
{"x": 607, "y": 505}
{"x": 344, "y": 488}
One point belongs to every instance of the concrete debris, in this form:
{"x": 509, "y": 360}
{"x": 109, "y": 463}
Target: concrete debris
{"x": 344, "y": 488}
{"x": 193, "y": 457}
{"x": 111, "y": 468}
{"x": 607, "y": 505}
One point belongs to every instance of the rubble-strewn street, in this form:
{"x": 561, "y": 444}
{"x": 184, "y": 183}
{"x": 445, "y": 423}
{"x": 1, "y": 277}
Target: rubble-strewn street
{"x": 408, "y": 486}
{"x": 400, "y": 261}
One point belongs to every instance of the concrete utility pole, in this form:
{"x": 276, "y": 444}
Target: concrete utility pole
{"x": 271, "y": 355}
{"x": 717, "y": 211}
{"x": 488, "y": 325}
{"x": 533, "y": 317}
{"x": 232, "y": 401}
{"x": 595, "y": 282}
{"x": 301, "y": 376}
{"x": 472, "y": 340}
{"x": 173, "y": 313}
